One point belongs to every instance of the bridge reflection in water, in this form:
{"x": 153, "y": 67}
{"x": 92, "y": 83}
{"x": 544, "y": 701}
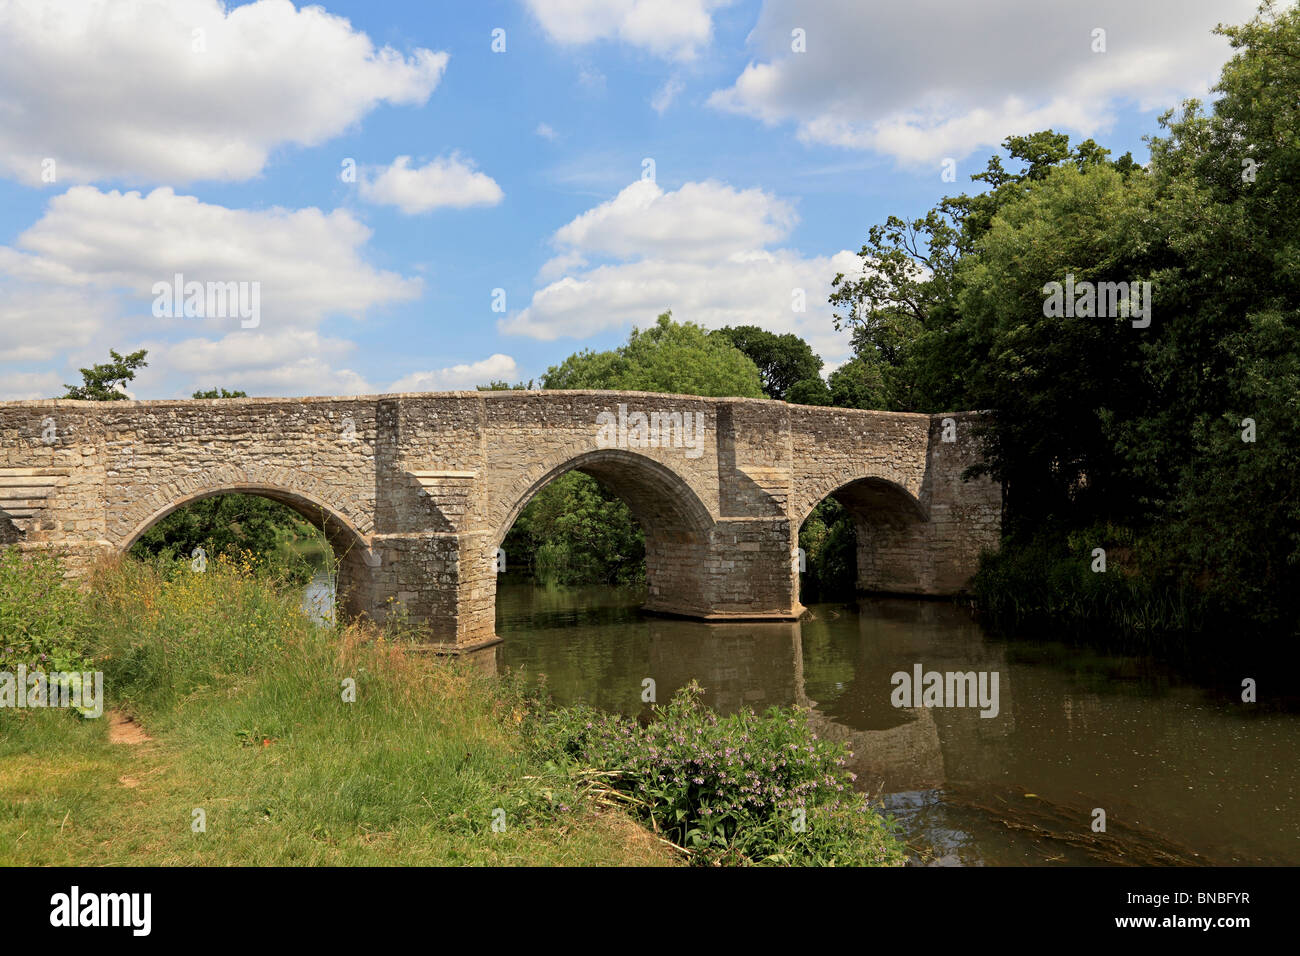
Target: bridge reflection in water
{"x": 1181, "y": 776}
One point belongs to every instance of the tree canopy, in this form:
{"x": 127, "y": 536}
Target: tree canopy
{"x": 106, "y": 382}
{"x": 1182, "y": 429}
{"x": 783, "y": 360}
{"x": 668, "y": 356}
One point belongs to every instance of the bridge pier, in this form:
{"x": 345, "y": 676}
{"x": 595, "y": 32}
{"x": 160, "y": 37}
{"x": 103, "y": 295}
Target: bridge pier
{"x": 743, "y": 572}
{"x": 442, "y": 581}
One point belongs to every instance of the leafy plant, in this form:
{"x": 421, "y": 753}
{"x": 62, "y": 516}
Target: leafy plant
{"x": 43, "y": 623}
{"x": 741, "y": 789}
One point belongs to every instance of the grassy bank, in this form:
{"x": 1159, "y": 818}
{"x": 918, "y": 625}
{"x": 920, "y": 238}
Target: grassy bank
{"x": 242, "y": 699}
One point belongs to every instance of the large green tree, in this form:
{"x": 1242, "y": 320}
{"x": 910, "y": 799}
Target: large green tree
{"x": 678, "y": 357}
{"x": 783, "y": 360}
{"x": 1228, "y": 364}
{"x": 1181, "y": 433}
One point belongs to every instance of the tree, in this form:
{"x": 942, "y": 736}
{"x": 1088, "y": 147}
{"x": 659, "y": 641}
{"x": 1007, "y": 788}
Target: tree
{"x": 106, "y": 382}
{"x": 810, "y": 391}
{"x": 1060, "y": 387}
{"x": 227, "y": 523}
{"x": 1177, "y": 437}
{"x": 902, "y": 306}
{"x": 669, "y": 356}
{"x": 782, "y": 360}
{"x": 859, "y": 383}
{"x": 1228, "y": 187}
{"x": 219, "y": 393}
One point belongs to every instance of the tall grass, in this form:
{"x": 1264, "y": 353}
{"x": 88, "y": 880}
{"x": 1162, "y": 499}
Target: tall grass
{"x": 248, "y": 703}
{"x": 311, "y": 744}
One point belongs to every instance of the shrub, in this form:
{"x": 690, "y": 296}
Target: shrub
{"x": 42, "y": 617}
{"x": 727, "y": 789}
{"x": 1047, "y": 582}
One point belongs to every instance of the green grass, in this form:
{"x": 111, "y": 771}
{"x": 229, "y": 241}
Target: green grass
{"x": 242, "y": 696}
{"x": 251, "y": 718}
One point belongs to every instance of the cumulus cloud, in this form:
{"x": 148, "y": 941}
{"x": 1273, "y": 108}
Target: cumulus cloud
{"x": 185, "y": 90}
{"x": 22, "y": 386}
{"x": 284, "y": 362}
{"x": 557, "y": 266}
{"x": 930, "y": 79}
{"x": 545, "y": 131}
{"x": 700, "y": 250}
{"x": 698, "y": 221}
{"x": 82, "y": 279}
{"x": 306, "y": 261}
{"x": 496, "y": 367}
{"x": 672, "y": 29}
{"x": 448, "y": 181}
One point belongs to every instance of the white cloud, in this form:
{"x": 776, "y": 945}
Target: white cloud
{"x": 247, "y": 351}
{"x": 496, "y": 367}
{"x": 307, "y": 261}
{"x": 119, "y": 90}
{"x": 285, "y": 362}
{"x": 302, "y": 376}
{"x": 39, "y": 320}
{"x": 557, "y": 266}
{"x": 926, "y": 80}
{"x": 664, "y": 96}
{"x": 672, "y": 29}
{"x": 545, "y": 131}
{"x": 591, "y": 79}
{"x": 448, "y": 181}
{"x": 80, "y": 280}
{"x": 700, "y": 220}
{"x": 22, "y": 386}
{"x": 699, "y": 251}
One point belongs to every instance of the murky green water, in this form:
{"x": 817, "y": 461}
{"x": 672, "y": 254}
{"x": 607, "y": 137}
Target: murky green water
{"x": 1185, "y": 772}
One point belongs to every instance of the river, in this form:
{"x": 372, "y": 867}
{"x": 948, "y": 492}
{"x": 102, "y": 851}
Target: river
{"x": 1184, "y": 771}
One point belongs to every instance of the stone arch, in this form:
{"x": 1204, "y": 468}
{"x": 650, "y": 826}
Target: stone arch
{"x": 889, "y": 523}
{"x": 351, "y": 546}
{"x": 676, "y": 523}
{"x": 336, "y": 526}
{"x": 301, "y": 489}
{"x": 867, "y": 493}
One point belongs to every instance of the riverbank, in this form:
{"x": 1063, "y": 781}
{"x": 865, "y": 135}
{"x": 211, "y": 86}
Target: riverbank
{"x": 246, "y": 734}
{"x": 1112, "y": 589}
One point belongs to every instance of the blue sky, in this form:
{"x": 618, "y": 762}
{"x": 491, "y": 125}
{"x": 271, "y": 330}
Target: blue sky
{"x": 211, "y": 141}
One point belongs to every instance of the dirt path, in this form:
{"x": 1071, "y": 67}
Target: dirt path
{"x": 124, "y": 730}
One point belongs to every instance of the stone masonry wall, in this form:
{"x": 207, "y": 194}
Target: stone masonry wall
{"x": 416, "y": 492}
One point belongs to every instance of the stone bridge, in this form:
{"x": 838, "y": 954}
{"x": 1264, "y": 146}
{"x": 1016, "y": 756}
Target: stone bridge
{"x": 416, "y": 492}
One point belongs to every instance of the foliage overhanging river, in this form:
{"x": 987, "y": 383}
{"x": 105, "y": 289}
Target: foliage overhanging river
{"x": 1185, "y": 773}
